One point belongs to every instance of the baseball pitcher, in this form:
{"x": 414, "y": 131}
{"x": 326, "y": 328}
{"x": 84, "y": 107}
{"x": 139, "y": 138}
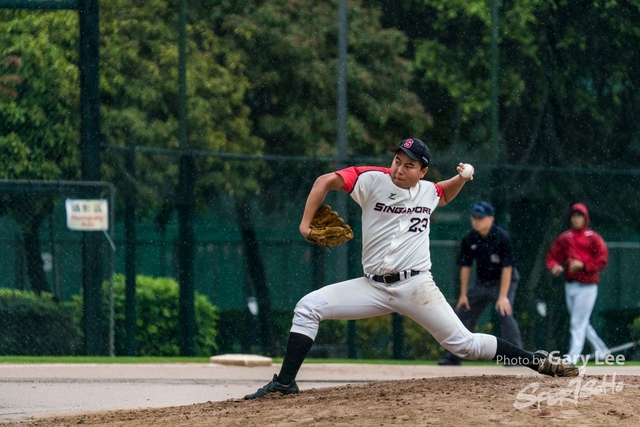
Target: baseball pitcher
{"x": 396, "y": 208}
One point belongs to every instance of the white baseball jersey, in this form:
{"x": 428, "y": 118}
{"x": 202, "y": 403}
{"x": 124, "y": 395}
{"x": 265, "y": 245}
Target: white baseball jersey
{"x": 395, "y": 221}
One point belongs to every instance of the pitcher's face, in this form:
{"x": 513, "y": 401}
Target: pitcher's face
{"x": 406, "y": 172}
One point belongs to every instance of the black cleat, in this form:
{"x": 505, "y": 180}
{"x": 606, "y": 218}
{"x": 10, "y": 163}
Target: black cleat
{"x": 554, "y": 366}
{"x": 274, "y": 387}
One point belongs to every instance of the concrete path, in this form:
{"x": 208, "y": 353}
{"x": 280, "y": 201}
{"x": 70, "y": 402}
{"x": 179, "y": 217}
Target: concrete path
{"x": 28, "y": 390}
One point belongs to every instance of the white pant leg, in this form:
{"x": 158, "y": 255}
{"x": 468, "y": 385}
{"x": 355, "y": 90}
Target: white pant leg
{"x": 597, "y": 343}
{"x": 569, "y": 298}
{"x": 350, "y": 300}
{"x": 420, "y": 299}
{"x": 580, "y": 302}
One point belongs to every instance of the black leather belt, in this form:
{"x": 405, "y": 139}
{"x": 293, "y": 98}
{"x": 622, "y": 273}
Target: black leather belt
{"x": 395, "y": 277}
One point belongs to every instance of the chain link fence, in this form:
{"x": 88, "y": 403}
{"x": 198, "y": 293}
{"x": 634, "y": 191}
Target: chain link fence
{"x": 43, "y": 256}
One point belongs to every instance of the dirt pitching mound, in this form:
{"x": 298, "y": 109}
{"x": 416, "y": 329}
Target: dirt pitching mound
{"x": 523, "y": 400}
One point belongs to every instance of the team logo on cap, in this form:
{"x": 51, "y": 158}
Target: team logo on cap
{"x": 408, "y": 143}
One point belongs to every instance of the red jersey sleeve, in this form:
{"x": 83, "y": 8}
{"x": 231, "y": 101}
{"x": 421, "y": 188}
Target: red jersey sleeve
{"x": 555, "y": 255}
{"x": 350, "y": 175}
{"x": 439, "y": 190}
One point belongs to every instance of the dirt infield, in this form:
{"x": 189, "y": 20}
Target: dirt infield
{"x": 478, "y": 400}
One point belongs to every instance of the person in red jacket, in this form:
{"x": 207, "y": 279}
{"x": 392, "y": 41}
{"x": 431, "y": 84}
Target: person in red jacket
{"x": 580, "y": 253}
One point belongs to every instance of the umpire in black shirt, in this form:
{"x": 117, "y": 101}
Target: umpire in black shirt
{"x": 496, "y": 276}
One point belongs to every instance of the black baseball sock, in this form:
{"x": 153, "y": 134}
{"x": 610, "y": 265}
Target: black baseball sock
{"x": 508, "y": 353}
{"x": 298, "y": 346}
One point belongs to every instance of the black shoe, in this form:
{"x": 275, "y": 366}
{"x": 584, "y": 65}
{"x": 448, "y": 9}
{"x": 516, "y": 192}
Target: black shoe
{"x": 274, "y": 387}
{"x": 449, "y": 361}
{"x": 554, "y": 366}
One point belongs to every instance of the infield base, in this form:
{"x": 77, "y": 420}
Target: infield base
{"x": 241, "y": 360}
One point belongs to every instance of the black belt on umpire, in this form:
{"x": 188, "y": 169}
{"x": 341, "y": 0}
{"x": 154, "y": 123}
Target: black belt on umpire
{"x": 393, "y": 278}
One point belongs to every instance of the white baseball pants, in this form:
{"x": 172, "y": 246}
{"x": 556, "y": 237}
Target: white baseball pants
{"x": 417, "y": 297}
{"x": 581, "y": 299}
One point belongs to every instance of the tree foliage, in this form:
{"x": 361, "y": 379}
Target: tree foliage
{"x": 566, "y": 80}
{"x": 293, "y": 51}
{"x": 293, "y": 46}
{"x": 39, "y": 123}
{"x": 39, "y": 136}
{"x": 139, "y": 89}
{"x": 567, "y": 89}
{"x": 261, "y": 76}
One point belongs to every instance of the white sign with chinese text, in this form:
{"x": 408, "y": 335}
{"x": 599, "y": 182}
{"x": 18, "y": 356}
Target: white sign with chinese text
{"x": 87, "y": 215}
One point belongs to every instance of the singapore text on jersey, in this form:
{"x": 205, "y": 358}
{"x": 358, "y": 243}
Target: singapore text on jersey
{"x": 381, "y": 207}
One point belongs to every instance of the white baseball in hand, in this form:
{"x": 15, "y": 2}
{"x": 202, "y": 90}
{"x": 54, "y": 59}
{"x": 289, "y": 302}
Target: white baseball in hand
{"x": 467, "y": 171}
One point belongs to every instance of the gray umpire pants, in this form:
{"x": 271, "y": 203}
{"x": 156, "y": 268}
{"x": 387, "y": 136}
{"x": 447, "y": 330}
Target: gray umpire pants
{"x": 483, "y": 293}
{"x": 480, "y": 295}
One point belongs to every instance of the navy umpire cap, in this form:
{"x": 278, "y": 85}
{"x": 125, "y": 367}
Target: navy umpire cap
{"x": 482, "y": 209}
{"x": 415, "y": 149}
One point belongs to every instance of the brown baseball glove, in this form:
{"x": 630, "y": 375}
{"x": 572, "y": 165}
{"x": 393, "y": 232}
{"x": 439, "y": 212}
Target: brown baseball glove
{"x": 328, "y": 229}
